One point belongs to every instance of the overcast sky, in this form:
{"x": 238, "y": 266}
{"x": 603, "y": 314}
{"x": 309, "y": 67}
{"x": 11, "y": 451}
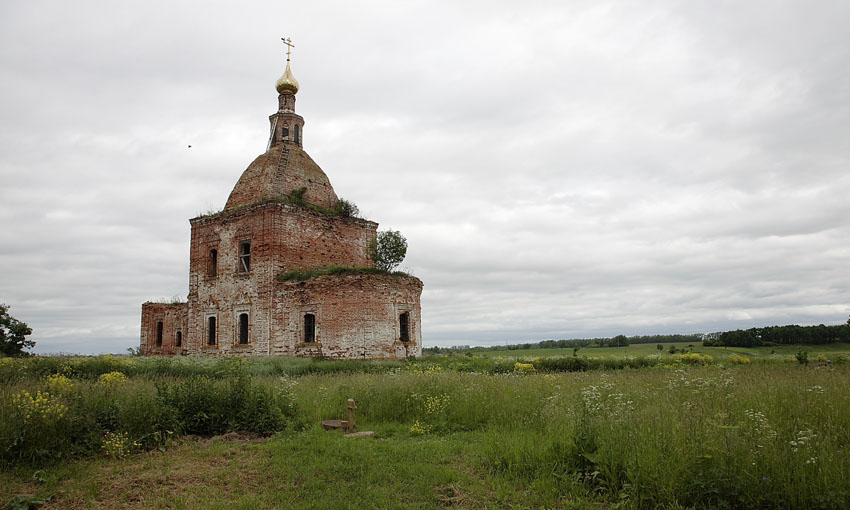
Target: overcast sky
{"x": 561, "y": 169}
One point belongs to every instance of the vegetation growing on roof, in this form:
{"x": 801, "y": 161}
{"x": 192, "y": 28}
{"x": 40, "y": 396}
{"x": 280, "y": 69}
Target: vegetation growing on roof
{"x": 301, "y": 275}
{"x": 342, "y": 209}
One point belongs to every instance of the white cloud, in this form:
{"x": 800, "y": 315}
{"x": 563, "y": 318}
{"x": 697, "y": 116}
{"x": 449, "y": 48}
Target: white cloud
{"x": 560, "y": 170}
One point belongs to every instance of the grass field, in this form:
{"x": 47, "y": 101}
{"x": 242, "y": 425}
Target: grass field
{"x": 648, "y": 349}
{"x": 203, "y": 433}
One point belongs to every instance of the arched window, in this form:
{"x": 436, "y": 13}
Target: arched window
{"x": 404, "y": 327}
{"x": 309, "y": 328}
{"x": 179, "y": 339}
{"x": 296, "y": 133}
{"x": 243, "y": 328}
{"x": 159, "y": 334}
{"x": 210, "y": 330}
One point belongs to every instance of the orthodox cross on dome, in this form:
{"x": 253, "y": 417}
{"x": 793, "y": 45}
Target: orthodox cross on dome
{"x": 288, "y": 42}
{"x": 287, "y": 83}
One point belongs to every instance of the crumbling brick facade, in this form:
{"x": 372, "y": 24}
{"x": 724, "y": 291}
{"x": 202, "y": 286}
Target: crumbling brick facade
{"x": 280, "y": 217}
{"x": 164, "y": 327}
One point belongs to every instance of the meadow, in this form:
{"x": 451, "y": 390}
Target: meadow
{"x": 712, "y": 428}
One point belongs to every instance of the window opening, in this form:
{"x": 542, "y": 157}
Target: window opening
{"x": 309, "y": 328}
{"x": 211, "y": 331}
{"x": 159, "y": 334}
{"x": 243, "y": 328}
{"x": 245, "y": 256}
{"x": 213, "y": 262}
{"x": 285, "y": 132}
{"x": 296, "y": 133}
{"x": 404, "y": 327}
{"x": 179, "y": 338}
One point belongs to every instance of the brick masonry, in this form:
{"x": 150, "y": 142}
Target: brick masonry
{"x": 357, "y": 315}
{"x": 284, "y": 168}
{"x": 174, "y": 319}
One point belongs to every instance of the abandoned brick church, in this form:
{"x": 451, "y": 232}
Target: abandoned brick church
{"x": 282, "y": 215}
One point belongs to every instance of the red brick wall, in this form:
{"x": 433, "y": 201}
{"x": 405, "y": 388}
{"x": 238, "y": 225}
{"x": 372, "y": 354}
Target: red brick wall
{"x": 283, "y": 237}
{"x": 357, "y": 316}
{"x": 173, "y": 318}
{"x": 271, "y": 175}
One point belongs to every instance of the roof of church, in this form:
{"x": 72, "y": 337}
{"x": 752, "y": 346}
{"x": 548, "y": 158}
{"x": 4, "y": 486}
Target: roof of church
{"x": 276, "y": 174}
{"x": 284, "y": 169}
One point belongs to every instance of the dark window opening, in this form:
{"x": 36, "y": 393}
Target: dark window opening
{"x": 179, "y": 338}
{"x": 213, "y": 262}
{"x": 245, "y": 256}
{"x": 309, "y": 328}
{"x": 159, "y": 334}
{"x": 296, "y": 133}
{"x": 404, "y": 327}
{"x": 243, "y": 328}
{"x": 285, "y": 132}
{"x": 211, "y": 331}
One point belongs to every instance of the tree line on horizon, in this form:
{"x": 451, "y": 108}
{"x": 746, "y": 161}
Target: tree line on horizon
{"x": 753, "y": 337}
{"x": 781, "y": 335}
{"x": 615, "y": 341}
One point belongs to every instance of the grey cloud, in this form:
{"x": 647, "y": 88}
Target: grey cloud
{"x": 560, "y": 170}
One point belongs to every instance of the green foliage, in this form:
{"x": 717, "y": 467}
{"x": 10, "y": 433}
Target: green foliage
{"x": 346, "y": 209}
{"x": 333, "y": 269}
{"x": 388, "y": 249}
{"x": 86, "y": 418}
{"x": 692, "y": 436}
{"x": 297, "y": 195}
{"x": 619, "y": 341}
{"x": 26, "y": 503}
{"x": 205, "y": 406}
{"x": 782, "y": 335}
{"x": 802, "y": 357}
{"x": 565, "y": 364}
{"x": 13, "y": 334}
{"x": 343, "y": 208}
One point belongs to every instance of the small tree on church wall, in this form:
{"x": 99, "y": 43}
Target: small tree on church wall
{"x": 388, "y": 249}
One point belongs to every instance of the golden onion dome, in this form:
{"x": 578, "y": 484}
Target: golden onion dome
{"x": 287, "y": 84}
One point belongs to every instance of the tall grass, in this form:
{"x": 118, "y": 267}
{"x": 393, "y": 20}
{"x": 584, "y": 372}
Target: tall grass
{"x": 41, "y": 421}
{"x": 686, "y": 433}
{"x": 742, "y": 437}
{"x": 92, "y": 367}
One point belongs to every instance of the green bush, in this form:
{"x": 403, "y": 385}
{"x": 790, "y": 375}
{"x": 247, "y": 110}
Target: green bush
{"x": 565, "y": 364}
{"x": 206, "y": 406}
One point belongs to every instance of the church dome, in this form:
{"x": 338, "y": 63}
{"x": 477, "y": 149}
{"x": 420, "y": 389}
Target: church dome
{"x": 277, "y": 175}
{"x": 287, "y": 84}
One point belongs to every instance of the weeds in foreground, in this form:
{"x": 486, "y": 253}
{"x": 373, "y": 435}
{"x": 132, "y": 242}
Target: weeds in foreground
{"x": 699, "y": 434}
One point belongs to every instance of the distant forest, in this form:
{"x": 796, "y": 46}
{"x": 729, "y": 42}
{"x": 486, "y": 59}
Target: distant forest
{"x": 781, "y": 335}
{"x": 753, "y": 337}
{"x": 617, "y": 341}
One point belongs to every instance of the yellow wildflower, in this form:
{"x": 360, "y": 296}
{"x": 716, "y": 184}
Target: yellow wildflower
{"x": 112, "y": 379}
